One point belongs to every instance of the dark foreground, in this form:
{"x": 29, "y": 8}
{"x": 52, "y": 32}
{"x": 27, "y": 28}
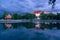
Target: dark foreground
{"x": 23, "y": 33}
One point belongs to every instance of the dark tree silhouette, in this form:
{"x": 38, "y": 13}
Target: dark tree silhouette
{"x": 52, "y": 2}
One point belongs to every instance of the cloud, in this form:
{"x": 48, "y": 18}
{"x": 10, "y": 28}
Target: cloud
{"x": 25, "y": 5}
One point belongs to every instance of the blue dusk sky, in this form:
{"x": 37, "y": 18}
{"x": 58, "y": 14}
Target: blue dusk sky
{"x": 27, "y": 5}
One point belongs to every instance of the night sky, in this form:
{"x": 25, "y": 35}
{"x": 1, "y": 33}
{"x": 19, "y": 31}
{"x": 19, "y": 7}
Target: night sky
{"x": 27, "y": 5}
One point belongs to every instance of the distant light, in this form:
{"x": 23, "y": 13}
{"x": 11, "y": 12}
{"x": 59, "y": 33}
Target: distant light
{"x": 8, "y": 16}
{"x": 37, "y": 13}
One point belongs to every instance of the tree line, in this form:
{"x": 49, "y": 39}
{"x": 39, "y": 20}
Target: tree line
{"x": 42, "y": 16}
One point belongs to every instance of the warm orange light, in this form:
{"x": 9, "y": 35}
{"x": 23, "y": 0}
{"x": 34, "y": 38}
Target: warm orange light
{"x": 8, "y": 25}
{"x": 8, "y": 16}
{"x": 37, "y": 13}
{"x": 37, "y": 26}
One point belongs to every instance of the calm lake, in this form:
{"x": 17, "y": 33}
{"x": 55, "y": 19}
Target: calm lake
{"x": 27, "y": 31}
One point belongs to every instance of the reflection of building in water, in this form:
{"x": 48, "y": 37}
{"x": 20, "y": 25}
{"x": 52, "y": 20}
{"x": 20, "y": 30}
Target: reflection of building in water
{"x": 8, "y": 25}
{"x": 37, "y": 26}
{"x": 37, "y": 13}
{"x": 8, "y": 16}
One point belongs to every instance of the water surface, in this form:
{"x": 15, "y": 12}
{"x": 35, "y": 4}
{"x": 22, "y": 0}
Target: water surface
{"x": 27, "y": 31}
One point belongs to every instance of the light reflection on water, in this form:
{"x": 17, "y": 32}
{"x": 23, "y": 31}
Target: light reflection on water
{"x": 32, "y": 25}
{"x": 8, "y": 25}
{"x": 27, "y": 31}
{"x": 37, "y": 26}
